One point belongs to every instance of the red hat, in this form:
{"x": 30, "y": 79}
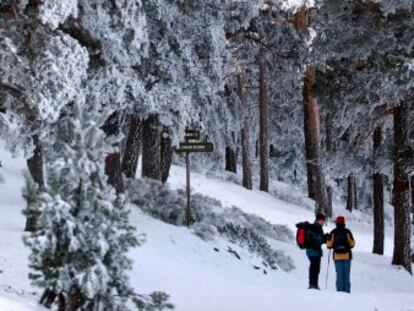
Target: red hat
{"x": 340, "y": 220}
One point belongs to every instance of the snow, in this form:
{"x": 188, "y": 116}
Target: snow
{"x": 16, "y": 294}
{"x": 9, "y": 305}
{"x": 198, "y": 277}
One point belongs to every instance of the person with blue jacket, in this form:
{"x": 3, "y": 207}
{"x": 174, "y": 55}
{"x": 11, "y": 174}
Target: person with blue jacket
{"x": 315, "y": 239}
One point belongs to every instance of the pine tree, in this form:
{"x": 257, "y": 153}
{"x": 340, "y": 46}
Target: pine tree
{"x": 151, "y": 148}
{"x": 244, "y": 133}
{"x": 132, "y": 147}
{"x": 378, "y": 210}
{"x": 35, "y": 166}
{"x": 78, "y": 252}
{"x": 401, "y": 196}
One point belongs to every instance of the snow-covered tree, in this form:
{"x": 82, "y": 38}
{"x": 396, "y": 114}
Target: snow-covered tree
{"x": 78, "y": 252}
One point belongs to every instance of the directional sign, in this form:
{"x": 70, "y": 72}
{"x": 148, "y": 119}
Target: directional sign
{"x": 195, "y": 147}
{"x": 191, "y": 131}
{"x": 192, "y": 144}
{"x": 192, "y": 135}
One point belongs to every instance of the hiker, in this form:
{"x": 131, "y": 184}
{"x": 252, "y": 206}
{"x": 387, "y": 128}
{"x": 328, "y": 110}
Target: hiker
{"x": 315, "y": 239}
{"x": 341, "y": 241}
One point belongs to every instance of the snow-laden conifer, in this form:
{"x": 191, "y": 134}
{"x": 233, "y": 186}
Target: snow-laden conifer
{"x": 78, "y": 253}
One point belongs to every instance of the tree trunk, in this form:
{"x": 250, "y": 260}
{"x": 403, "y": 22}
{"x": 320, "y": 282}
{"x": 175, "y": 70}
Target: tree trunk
{"x": 350, "y": 201}
{"x": 231, "y": 160}
{"x": 316, "y": 179}
{"x": 61, "y": 303}
{"x": 355, "y": 193}
{"x": 113, "y": 167}
{"x": 378, "y": 247}
{"x": 132, "y": 147}
{"x": 166, "y": 154}
{"x": 412, "y": 193}
{"x": 310, "y": 167}
{"x": 47, "y": 298}
{"x": 329, "y": 132}
{"x": 35, "y": 166}
{"x": 151, "y": 148}
{"x": 329, "y": 148}
{"x": 74, "y": 299}
{"x": 412, "y": 199}
{"x": 329, "y": 191}
{"x": 245, "y": 134}
{"x": 263, "y": 115}
{"x": 400, "y": 191}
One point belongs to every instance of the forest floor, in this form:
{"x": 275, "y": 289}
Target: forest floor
{"x": 204, "y": 276}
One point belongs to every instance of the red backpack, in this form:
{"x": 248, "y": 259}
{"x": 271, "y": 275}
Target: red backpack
{"x": 301, "y": 234}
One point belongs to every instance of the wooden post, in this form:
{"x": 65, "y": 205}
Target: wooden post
{"x": 192, "y": 143}
{"x": 189, "y": 214}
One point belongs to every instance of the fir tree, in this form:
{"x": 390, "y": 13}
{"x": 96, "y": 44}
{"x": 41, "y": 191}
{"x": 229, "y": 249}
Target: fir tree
{"x": 78, "y": 253}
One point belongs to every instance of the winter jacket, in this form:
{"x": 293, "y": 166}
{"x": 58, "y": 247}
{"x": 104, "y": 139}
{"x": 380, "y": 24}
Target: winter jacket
{"x": 340, "y": 230}
{"x": 315, "y": 239}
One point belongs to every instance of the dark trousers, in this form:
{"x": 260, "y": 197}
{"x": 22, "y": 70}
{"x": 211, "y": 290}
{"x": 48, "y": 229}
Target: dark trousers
{"x": 343, "y": 271}
{"x": 314, "y": 269}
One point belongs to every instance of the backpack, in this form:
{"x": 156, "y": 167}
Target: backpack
{"x": 341, "y": 244}
{"x": 302, "y": 234}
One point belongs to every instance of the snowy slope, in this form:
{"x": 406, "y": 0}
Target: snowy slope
{"x": 16, "y": 294}
{"x": 198, "y": 278}
{"x": 203, "y": 276}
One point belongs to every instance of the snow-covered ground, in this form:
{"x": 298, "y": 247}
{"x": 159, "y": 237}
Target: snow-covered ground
{"x": 204, "y": 276}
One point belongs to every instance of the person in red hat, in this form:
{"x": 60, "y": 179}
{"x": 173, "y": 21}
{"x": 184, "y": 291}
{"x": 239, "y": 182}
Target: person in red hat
{"x": 342, "y": 241}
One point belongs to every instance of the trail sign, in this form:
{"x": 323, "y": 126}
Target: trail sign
{"x": 192, "y": 145}
{"x": 195, "y": 147}
{"x": 192, "y": 135}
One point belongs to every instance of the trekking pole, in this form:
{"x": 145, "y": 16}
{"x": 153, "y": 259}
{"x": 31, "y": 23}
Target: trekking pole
{"x": 327, "y": 270}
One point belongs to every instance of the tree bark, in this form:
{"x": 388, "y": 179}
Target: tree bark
{"x": 74, "y": 299}
{"x": 166, "y": 154}
{"x": 151, "y": 148}
{"x": 113, "y": 167}
{"x": 263, "y": 116}
{"x": 400, "y": 191}
{"x": 61, "y": 303}
{"x": 316, "y": 180}
{"x": 310, "y": 167}
{"x": 412, "y": 198}
{"x": 355, "y": 193}
{"x": 329, "y": 132}
{"x": 350, "y": 194}
{"x": 245, "y": 134}
{"x": 231, "y": 160}
{"x": 351, "y": 198}
{"x": 329, "y": 191}
{"x": 35, "y": 166}
{"x": 412, "y": 194}
{"x": 132, "y": 147}
{"x": 378, "y": 247}
{"x": 47, "y": 298}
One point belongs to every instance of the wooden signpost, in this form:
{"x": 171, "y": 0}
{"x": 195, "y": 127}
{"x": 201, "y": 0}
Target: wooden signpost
{"x": 192, "y": 144}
